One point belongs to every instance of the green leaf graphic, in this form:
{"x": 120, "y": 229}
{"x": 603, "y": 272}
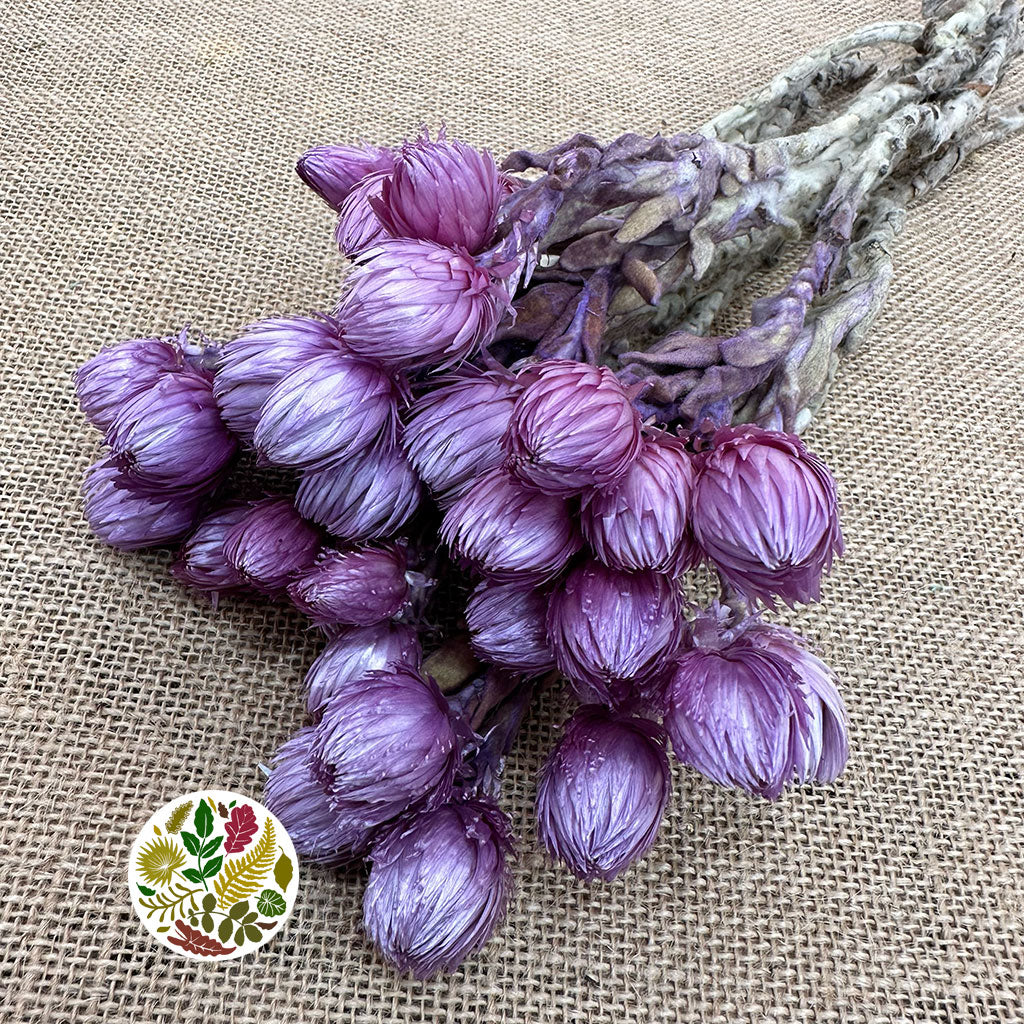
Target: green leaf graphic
{"x": 210, "y": 868}
{"x": 171, "y": 901}
{"x": 164, "y": 928}
{"x": 146, "y": 891}
{"x": 209, "y": 902}
{"x": 207, "y": 923}
{"x": 211, "y": 847}
{"x": 252, "y": 933}
{"x": 178, "y": 816}
{"x": 271, "y": 904}
{"x": 192, "y": 843}
{"x": 224, "y": 931}
{"x": 283, "y": 872}
{"x": 239, "y": 910}
{"x": 203, "y": 820}
{"x": 192, "y": 875}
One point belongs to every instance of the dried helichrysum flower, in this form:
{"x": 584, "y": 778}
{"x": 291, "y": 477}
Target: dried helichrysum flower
{"x": 116, "y": 374}
{"x": 643, "y": 521}
{"x": 333, "y": 171}
{"x": 507, "y": 627}
{"x": 454, "y": 433}
{"x": 359, "y": 227}
{"x": 765, "y": 513}
{"x": 365, "y": 497}
{"x": 444, "y": 192}
{"x": 202, "y": 563}
{"x": 328, "y": 409}
{"x": 170, "y": 436}
{"x": 383, "y": 744}
{"x": 354, "y": 588}
{"x": 124, "y": 518}
{"x": 355, "y": 652}
{"x": 613, "y": 633}
{"x": 271, "y": 544}
{"x": 603, "y": 792}
{"x": 416, "y": 304}
{"x": 573, "y": 427}
{"x": 509, "y": 532}
{"x": 439, "y": 885}
{"x": 254, "y": 362}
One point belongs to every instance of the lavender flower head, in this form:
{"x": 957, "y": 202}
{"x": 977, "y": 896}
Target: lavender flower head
{"x": 510, "y": 533}
{"x": 359, "y": 228}
{"x": 439, "y": 885}
{"x": 572, "y": 428}
{"x": 202, "y": 563}
{"x": 603, "y": 792}
{"x": 614, "y": 632}
{"x": 357, "y": 587}
{"x": 765, "y": 512}
{"x": 507, "y": 626}
{"x": 333, "y": 171}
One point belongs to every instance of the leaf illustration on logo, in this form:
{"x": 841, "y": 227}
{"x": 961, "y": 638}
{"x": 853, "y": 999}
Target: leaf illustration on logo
{"x": 171, "y": 901}
{"x": 203, "y": 820}
{"x": 283, "y": 872}
{"x": 192, "y": 940}
{"x": 178, "y": 816}
{"x": 242, "y": 876}
{"x": 222, "y": 810}
{"x": 240, "y": 829}
{"x": 271, "y": 903}
{"x": 159, "y": 859}
{"x": 145, "y": 890}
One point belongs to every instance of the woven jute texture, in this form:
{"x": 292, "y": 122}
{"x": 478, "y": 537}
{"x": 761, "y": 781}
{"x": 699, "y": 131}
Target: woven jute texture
{"x": 147, "y": 155}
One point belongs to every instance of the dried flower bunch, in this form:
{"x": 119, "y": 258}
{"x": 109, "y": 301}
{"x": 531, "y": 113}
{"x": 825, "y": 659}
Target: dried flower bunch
{"x": 513, "y": 437}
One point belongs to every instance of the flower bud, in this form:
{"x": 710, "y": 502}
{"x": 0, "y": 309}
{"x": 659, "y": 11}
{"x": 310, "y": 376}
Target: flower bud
{"x": 510, "y": 533}
{"x": 416, "y": 304}
{"x": 383, "y": 744}
{"x": 326, "y": 410}
{"x": 359, "y": 228}
{"x": 354, "y": 653}
{"x": 603, "y": 792}
{"x": 271, "y": 544}
{"x": 765, "y": 512}
{"x": 202, "y": 563}
{"x": 257, "y": 360}
{"x": 115, "y": 375}
{"x": 366, "y": 497}
{"x": 454, "y": 435}
{"x": 439, "y": 885}
{"x": 573, "y": 427}
{"x": 444, "y": 192}
{"x": 357, "y": 587}
{"x": 333, "y": 171}
{"x": 124, "y": 518}
{"x": 643, "y": 521}
{"x": 507, "y": 627}
{"x": 171, "y": 436}
{"x": 613, "y": 633}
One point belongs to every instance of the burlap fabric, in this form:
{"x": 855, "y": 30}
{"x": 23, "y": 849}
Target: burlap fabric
{"x": 147, "y": 175}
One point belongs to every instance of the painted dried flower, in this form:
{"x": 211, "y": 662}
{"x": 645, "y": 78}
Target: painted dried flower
{"x": 365, "y": 497}
{"x": 439, "y": 885}
{"x": 328, "y": 409}
{"x": 507, "y": 626}
{"x": 254, "y": 362}
{"x": 454, "y": 435}
{"x": 643, "y": 521}
{"x": 509, "y": 532}
{"x": 603, "y": 792}
{"x": 333, "y": 171}
{"x": 416, "y": 304}
{"x": 271, "y": 544}
{"x": 357, "y": 587}
{"x": 359, "y": 227}
{"x": 202, "y": 563}
{"x": 573, "y": 427}
{"x": 765, "y": 512}
{"x": 613, "y": 633}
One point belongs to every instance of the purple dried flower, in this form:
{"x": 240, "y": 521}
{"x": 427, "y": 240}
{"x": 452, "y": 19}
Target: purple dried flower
{"x": 572, "y": 428}
{"x": 124, "y": 518}
{"x": 416, "y": 304}
{"x": 439, "y": 885}
{"x": 359, "y": 227}
{"x": 355, "y": 652}
{"x": 357, "y": 587}
{"x": 383, "y": 744}
{"x": 115, "y": 375}
{"x": 454, "y": 435}
{"x": 253, "y": 363}
{"x": 507, "y": 625}
{"x": 170, "y": 436}
{"x": 365, "y": 497}
{"x": 271, "y": 544}
{"x": 333, "y": 171}
{"x": 328, "y": 409}
{"x": 643, "y": 521}
{"x": 202, "y": 563}
{"x": 509, "y": 532}
{"x": 603, "y": 792}
{"x": 765, "y": 512}
{"x": 444, "y": 192}
{"x": 613, "y": 633}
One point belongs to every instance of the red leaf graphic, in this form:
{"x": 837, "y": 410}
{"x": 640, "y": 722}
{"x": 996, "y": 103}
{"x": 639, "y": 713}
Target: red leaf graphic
{"x": 240, "y": 828}
{"x": 192, "y": 940}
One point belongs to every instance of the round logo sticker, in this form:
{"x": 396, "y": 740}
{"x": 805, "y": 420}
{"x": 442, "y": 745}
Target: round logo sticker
{"x": 213, "y": 875}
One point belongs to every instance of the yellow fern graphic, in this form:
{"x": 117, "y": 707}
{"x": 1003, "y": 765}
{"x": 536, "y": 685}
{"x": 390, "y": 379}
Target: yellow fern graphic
{"x": 242, "y": 876}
